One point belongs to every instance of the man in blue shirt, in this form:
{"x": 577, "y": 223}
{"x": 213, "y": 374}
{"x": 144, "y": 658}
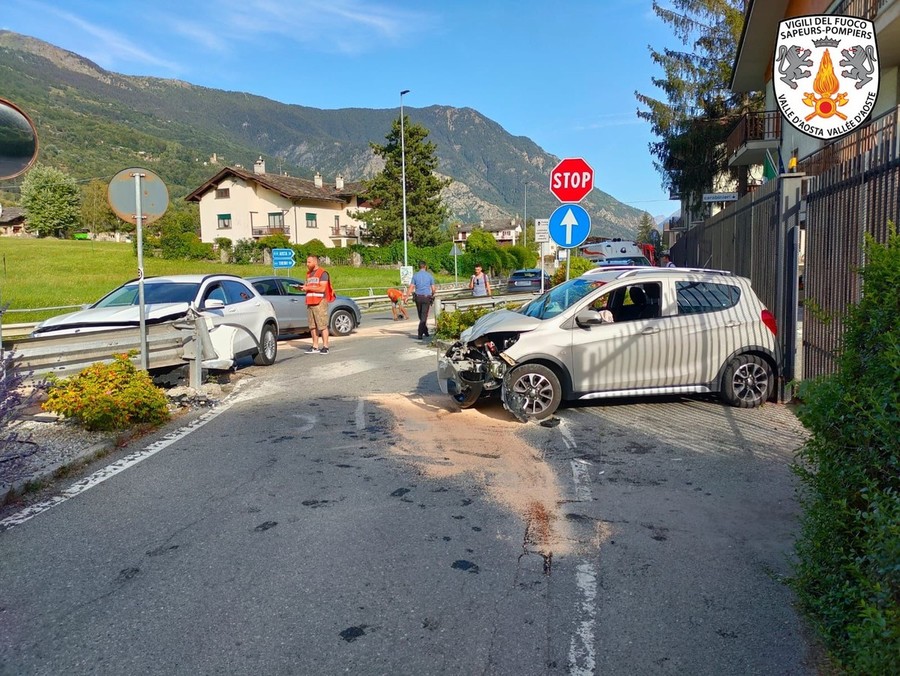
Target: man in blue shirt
{"x": 423, "y": 288}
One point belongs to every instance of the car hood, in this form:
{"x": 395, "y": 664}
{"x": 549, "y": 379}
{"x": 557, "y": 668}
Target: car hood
{"x": 500, "y": 321}
{"x": 112, "y": 317}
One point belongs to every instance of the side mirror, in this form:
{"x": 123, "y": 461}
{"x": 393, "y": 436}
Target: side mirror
{"x": 213, "y": 304}
{"x": 588, "y": 318}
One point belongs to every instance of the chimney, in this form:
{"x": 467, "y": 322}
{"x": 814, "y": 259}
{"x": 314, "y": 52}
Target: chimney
{"x": 339, "y": 182}
{"x": 259, "y": 167}
{"x": 318, "y": 180}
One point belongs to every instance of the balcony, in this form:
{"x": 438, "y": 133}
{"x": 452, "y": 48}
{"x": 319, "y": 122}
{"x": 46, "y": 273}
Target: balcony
{"x": 873, "y": 144}
{"x": 345, "y": 232}
{"x": 754, "y": 134}
{"x": 266, "y": 231}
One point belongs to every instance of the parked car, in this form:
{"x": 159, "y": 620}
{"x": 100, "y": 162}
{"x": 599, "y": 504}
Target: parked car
{"x": 289, "y": 300}
{"x": 631, "y": 261}
{"x": 527, "y": 281}
{"x": 227, "y": 300}
{"x": 673, "y": 331}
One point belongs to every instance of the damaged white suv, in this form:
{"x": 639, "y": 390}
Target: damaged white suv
{"x": 619, "y": 332}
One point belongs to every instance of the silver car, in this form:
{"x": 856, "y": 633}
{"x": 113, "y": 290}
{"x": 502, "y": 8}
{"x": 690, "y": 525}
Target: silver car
{"x": 619, "y": 332}
{"x": 289, "y": 300}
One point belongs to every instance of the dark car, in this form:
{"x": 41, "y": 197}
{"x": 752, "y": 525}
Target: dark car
{"x": 289, "y": 300}
{"x": 527, "y": 281}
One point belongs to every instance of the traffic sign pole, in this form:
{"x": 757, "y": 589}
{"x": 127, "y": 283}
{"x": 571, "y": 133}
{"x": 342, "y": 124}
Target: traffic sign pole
{"x": 142, "y": 313}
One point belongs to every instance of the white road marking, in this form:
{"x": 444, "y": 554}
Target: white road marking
{"x": 582, "y": 478}
{"x": 310, "y": 418}
{"x": 416, "y": 353}
{"x": 582, "y": 654}
{"x": 568, "y": 439}
{"x": 111, "y": 470}
{"x": 361, "y": 415}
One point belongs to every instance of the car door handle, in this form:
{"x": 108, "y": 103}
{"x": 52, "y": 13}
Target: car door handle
{"x": 650, "y": 330}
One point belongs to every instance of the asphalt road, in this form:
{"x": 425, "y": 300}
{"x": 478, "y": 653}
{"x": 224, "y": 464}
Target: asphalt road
{"x": 336, "y": 515}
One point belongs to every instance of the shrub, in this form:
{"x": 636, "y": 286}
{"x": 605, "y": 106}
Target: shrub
{"x": 105, "y": 397}
{"x": 246, "y": 251}
{"x": 451, "y": 324}
{"x": 275, "y": 242}
{"x": 847, "y": 576}
{"x": 578, "y": 267}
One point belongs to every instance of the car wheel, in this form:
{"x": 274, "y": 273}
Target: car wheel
{"x": 466, "y": 397}
{"x": 342, "y": 323}
{"x": 748, "y": 381}
{"x": 534, "y": 390}
{"x": 268, "y": 347}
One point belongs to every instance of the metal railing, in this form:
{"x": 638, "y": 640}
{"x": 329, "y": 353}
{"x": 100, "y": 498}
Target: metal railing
{"x": 761, "y": 126}
{"x": 864, "y": 9}
{"x": 876, "y": 142}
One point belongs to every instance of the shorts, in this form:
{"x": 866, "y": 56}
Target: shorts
{"x": 318, "y": 316}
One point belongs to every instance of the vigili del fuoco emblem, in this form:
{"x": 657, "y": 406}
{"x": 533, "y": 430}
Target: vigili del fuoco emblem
{"x": 826, "y": 73}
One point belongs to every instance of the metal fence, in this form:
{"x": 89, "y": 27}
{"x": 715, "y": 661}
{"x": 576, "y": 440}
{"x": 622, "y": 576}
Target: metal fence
{"x": 856, "y": 192}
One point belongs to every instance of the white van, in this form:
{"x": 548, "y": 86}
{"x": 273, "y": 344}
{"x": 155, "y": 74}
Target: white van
{"x": 615, "y": 252}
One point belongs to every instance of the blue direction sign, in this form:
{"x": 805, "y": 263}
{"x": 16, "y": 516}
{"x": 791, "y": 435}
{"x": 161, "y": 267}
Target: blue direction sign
{"x": 283, "y": 258}
{"x": 569, "y": 226}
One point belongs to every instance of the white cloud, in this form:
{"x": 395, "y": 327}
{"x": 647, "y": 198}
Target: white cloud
{"x": 109, "y": 48}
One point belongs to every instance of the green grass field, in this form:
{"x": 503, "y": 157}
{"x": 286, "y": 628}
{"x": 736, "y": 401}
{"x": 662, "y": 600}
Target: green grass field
{"x": 39, "y": 273}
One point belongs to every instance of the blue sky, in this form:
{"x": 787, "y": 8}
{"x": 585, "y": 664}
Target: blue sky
{"x": 561, "y": 73}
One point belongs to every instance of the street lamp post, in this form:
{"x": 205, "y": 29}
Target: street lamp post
{"x": 525, "y": 217}
{"x": 403, "y": 176}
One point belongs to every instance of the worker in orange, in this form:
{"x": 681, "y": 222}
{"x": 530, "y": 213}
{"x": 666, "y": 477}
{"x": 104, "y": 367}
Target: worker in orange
{"x": 398, "y": 301}
{"x": 318, "y": 294}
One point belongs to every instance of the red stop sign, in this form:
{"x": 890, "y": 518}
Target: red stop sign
{"x": 571, "y": 180}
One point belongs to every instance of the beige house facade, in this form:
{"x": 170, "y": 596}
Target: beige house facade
{"x": 239, "y": 204}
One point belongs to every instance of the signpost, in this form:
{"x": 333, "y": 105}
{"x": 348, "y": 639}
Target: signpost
{"x": 139, "y": 196}
{"x": 571, "y": 180}
{"x": 541, "y": 235}
{"x": 455, "y": 251}
{"x": 569, "y": 226}
{"x": 283, "y": 258}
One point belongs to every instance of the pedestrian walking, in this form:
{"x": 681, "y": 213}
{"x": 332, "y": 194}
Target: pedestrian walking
{"x": 667, "y": 261}
{"x": 423, "y": 289}
{"x": 318, "y": 294}
{"x": 479, "y": 284}
{"x": 398, "y": 302}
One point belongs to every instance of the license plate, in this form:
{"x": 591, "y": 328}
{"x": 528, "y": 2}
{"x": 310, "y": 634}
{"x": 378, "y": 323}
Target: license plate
{"x": 523, "y": 283}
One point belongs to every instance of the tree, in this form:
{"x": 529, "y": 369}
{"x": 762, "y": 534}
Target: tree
{"x": 698, "y": 112}
{"x": 51, "y": 201}
{"x": 645, "y": 228}
{"x": 425, "y": 212}
{"x": 96, "y": 214}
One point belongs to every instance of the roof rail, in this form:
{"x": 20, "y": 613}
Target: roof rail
{"x": 652, "y": 270}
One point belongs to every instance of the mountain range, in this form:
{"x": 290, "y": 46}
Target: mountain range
{"x": 92, "y": 123}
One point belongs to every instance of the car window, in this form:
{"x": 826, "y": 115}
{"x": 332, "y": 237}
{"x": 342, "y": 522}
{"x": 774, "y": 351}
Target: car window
{"x": 236, "y": 292}
{"x": 639, "y": 301}
{"x": 699, "y": 297}
{"x": 163, "y": 292}
{"x": 267, "y": 287}
{"x": 625, "y": 260}
{"x": 527, "y": 274}
{"x": 214, "y": 292}
{"x": 292, "y": 287}
{"x": 560, "y": 298}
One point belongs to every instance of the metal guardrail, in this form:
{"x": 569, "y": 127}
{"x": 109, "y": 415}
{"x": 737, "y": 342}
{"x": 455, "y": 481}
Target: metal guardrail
{"x": 66, "y": 355}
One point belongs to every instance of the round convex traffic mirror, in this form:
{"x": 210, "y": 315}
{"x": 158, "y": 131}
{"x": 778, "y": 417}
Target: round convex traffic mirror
{"x": 18, "y": 140}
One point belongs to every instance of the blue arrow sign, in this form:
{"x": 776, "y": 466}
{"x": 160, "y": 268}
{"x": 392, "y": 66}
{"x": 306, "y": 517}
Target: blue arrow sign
{"x": 569, "y": 226}
{"x": 282, "y": 254}
{"x": 283, "y": 262}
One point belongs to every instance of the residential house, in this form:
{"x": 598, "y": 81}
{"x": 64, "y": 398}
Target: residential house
{"x": 239, "y": 204}
{"x": 12, "y": 221}
{"x": 504, "y": 230}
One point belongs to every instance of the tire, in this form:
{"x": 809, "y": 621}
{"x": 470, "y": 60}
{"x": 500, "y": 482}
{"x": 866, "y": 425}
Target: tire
{"x": 748, "y": 381}
{"x": 539, "y": 390}
{"x": 342, "y": 323}
{"x": 268, "y": 347}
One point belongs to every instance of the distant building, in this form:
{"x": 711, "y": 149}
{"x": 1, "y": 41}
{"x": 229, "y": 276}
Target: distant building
{"x": 504, "y": 230}
{"x": 239, "y": 204}
{"x": 12, "y": 222}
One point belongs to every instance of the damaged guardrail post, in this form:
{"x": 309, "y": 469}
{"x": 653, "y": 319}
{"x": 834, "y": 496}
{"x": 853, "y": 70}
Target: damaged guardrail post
{"x": 200, "y": 348}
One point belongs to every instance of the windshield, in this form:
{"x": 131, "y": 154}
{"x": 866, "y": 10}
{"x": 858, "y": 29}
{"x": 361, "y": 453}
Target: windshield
{"x": 560, "y": 298}
{"x": 625, "y": 260}
{"x": 163, "y": 292}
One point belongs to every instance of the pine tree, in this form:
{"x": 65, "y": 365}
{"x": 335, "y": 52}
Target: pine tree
{"x": 698, "y": 111}
{"x": 645, "y": 228}
{"x": 425, "y": 212}
{"x": 51, "y": 200}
